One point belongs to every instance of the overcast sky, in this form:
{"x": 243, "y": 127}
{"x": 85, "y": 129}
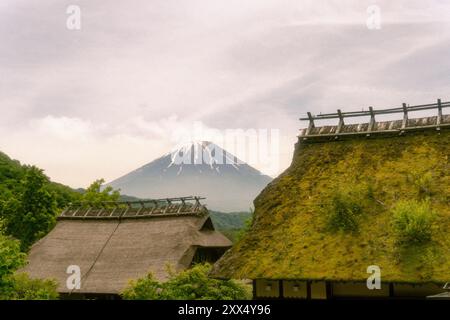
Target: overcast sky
{"x": 106, "y": 99}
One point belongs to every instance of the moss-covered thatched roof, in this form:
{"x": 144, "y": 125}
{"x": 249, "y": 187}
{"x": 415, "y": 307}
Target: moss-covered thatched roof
{"x": 291, "y": 239}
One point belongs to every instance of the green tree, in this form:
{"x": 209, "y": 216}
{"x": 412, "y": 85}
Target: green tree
{"x": 32, "y": 213}
{"x": 95, "y": 195}
{"x": 247, "y": 226}
{"x": 11, "y": 174}
{"x": 190, "y": 284}
{"x": 11, "y": 258}
{"x": 146, "y": 288}
{"x": 64, "y": 194}
{"x": 20, "y": 286}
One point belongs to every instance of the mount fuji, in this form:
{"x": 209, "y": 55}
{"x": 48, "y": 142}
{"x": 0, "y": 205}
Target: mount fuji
{"x": 198, "y": 168}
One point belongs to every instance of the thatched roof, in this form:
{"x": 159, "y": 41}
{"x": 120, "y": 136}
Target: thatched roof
{"x": 289, "y": 238}
{"x": 112, "y": 251}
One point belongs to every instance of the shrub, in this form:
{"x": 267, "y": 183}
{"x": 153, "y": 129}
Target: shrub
{"x": 190, "y": 284}
{"x": 11, "y": 258}
{"x": 146, "y": 288}
{"x": 412, "y": 221}
{"x": 343, "y": 210}
{"x": 22, "y": 287}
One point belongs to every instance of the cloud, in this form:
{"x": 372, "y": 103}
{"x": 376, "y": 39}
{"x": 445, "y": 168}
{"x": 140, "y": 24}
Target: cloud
{"x": 79, "y": 151}
{"x": 62, "y": 127}
{"x": 100, "y": 101}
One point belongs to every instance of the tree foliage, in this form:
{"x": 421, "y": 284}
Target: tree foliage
{"x": 11, "y": 175}
{"x": 29, "y": 201}
{"x": 11, "y": 258}
{"x": 95, "y": 195}
{"x": 32, "y": 213}
{"x": 147, "y": 288}
{"x": 232, "y": 224}
{"x": 190, "y": 284}
{"x": 20, "y": 286}
{"x": 246, "y": 228}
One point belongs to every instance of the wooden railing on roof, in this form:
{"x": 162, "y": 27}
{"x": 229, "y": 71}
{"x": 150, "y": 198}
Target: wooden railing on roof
{"x": 396, "y": 126}
{"x": 134, "y": 209}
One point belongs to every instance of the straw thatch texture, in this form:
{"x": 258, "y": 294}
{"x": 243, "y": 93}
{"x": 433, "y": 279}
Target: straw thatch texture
{"x": 111, "y": 252}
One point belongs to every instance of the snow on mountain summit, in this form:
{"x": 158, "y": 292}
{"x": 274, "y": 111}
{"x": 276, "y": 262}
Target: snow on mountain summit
{"x": 198, "y": 168}
{"x": 203, "y": 152}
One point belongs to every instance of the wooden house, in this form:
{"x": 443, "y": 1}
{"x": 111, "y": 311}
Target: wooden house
{"x": 293, "y": 251}
{"x": 112, "y": 243}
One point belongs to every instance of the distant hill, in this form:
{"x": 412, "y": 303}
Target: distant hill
{"x": 199, "y": 168}
{"x": 11, "y": 173}
{"x": 229, "y": 220}
{"x": 230, "y": 223}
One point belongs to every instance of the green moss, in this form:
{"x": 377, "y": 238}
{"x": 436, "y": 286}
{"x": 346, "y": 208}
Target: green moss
{"x": 344, "y": 207}
{"x": 412, "y": 221}
{"x": 291, "y": 239}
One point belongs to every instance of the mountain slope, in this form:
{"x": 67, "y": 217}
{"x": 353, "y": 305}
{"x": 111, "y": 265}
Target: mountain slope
{"x": 200, "y": 168}
{"x": 230, "y": 223}
{"x": 11, "y": 174}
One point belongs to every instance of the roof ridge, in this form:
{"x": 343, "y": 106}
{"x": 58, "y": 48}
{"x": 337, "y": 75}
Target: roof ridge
{"x": 170, "y": 207}
{"x": 398, "y": 126}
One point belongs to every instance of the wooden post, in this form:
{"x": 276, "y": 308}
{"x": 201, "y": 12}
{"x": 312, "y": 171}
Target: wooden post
{"x": 308, "y": 290}
{"x": 341, "y": 121}
{"x": 329, "y": 290}
{"x": 372, "y": 121}
{"x": 142, "y": 208}
{"x": 168, "y": 203}
{"x": 439, "y": 116}
{"x": 181, "y": 206}
{"x": 154, "y": 208}
{"x": 311, "y": 124}
{"x": 405, "y": 116}
{"x": 89, "y": 209}
{"x": 280, "y": 289}
{"x": 113, "y": 210}
{"x": 126, "y": 210}
{"x": 99, "y": 213}
{"x": 197, "y": 204}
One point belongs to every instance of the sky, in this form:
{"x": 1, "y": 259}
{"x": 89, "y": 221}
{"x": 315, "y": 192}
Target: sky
{"x": 105, "y": 99}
